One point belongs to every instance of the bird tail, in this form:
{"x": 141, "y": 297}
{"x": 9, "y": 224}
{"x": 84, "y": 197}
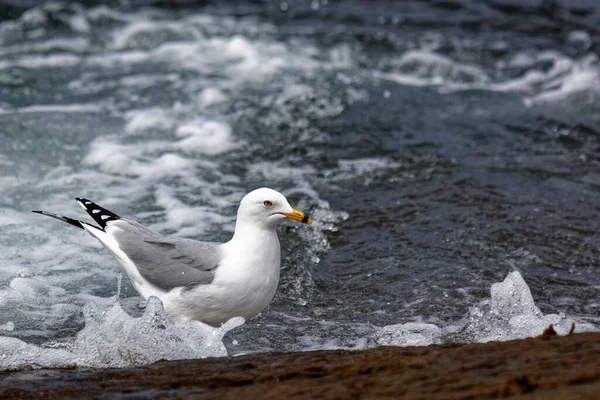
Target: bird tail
{"x": 101, "y": 215}
{"x": 74, "y": 222}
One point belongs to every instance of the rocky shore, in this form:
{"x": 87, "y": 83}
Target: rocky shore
{"x": 546, "y": 367}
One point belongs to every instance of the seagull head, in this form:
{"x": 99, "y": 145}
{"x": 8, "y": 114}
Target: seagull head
{"x": 267, "y": 207}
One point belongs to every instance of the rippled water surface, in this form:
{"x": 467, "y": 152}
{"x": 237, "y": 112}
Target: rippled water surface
{"x": 438, "y": 146}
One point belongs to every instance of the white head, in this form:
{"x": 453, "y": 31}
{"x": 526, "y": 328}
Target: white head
{"x": 267, "y": 207}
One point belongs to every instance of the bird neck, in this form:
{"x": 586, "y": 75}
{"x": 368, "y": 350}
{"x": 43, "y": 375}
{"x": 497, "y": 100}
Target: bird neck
{"x": 248, "y": 233}
{"x": 256, "y": 246}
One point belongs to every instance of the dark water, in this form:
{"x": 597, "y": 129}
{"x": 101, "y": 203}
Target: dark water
{"x": 478, "y": 184}
{"x": 439, "y": 145}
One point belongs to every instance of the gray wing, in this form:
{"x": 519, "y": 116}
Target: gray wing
{"x": 166, "y": 262}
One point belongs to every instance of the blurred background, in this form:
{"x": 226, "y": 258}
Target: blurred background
{"x": 437, "y": 145}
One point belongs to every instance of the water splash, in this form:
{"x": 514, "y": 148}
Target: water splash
{"x": 112, "y": 338}
{"x": 510, "y": 313}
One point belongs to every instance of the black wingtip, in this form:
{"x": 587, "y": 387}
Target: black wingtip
{"x": 100, "y": 214}
{"x": 84, "y": 202}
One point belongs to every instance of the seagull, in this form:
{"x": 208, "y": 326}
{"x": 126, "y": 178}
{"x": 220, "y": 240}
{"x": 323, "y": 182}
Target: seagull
{"x": 205, "y": 281}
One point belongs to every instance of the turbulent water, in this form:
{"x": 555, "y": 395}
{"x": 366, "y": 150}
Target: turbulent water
{"x": 438, "y": 146}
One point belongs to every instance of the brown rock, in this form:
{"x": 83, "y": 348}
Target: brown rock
{"x": 547, "y": 367}
{"x": 549, "y": 331}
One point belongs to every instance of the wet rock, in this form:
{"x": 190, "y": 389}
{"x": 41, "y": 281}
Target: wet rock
{"x": 548, "y": 367}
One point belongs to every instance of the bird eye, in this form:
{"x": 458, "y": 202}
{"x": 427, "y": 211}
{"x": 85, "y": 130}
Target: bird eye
{"x": 268, "y": 203}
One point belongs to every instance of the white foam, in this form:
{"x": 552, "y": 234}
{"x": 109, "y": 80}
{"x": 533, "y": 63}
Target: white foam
{"x": 534, "y": 79}
{"x": 110, "y": 60}
{"x": 111, "y": 157}
{"x": 64, "y": 60}
{"x": 142, "y": 81}
{"x": 582, "y": 76}
{"x": 58, "y": 108}
{"x": 198, "y": 136}
{"x": 139, "y": 160}
{"x": 367, "y": 165}
{"x": 111, "y": 338}
{"x": 366, "y": 169}
{"x": 205, "y": 137}
{"x": 79, "y": 23}
{"x": 185, "y": 220}
{"x": 334, "y": 335}
{"x": 211, "y": 96}
{"x": 167, "y": 165}
{"x": 564, "y": 76}
{"x": 245, "y": 55}
{"x": 68, "y": 45}
{"x": 146, "y": 33}
{"x": 188, "y": 55}
{"x": 238, "y": 57}
{"x": 409, "y": 334}
{"x": 140, "y": 121}
{"x": 424, "y": 68}
{"x": 7, "y": 327}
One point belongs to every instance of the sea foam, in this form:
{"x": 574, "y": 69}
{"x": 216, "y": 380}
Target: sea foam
{"x": 112, "y": 338}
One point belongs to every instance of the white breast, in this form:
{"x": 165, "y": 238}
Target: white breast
{"x": 244, "y": 285}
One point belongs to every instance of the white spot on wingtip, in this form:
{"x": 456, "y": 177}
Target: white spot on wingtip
{"x": 95, "y": 211}
{"x": 105, "y": 217}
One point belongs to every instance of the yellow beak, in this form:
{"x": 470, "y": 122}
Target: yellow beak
{"x": 298, "y": 216}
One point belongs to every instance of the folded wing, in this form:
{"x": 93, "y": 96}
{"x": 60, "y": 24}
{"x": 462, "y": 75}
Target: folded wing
{"x": 170, "y": 262}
